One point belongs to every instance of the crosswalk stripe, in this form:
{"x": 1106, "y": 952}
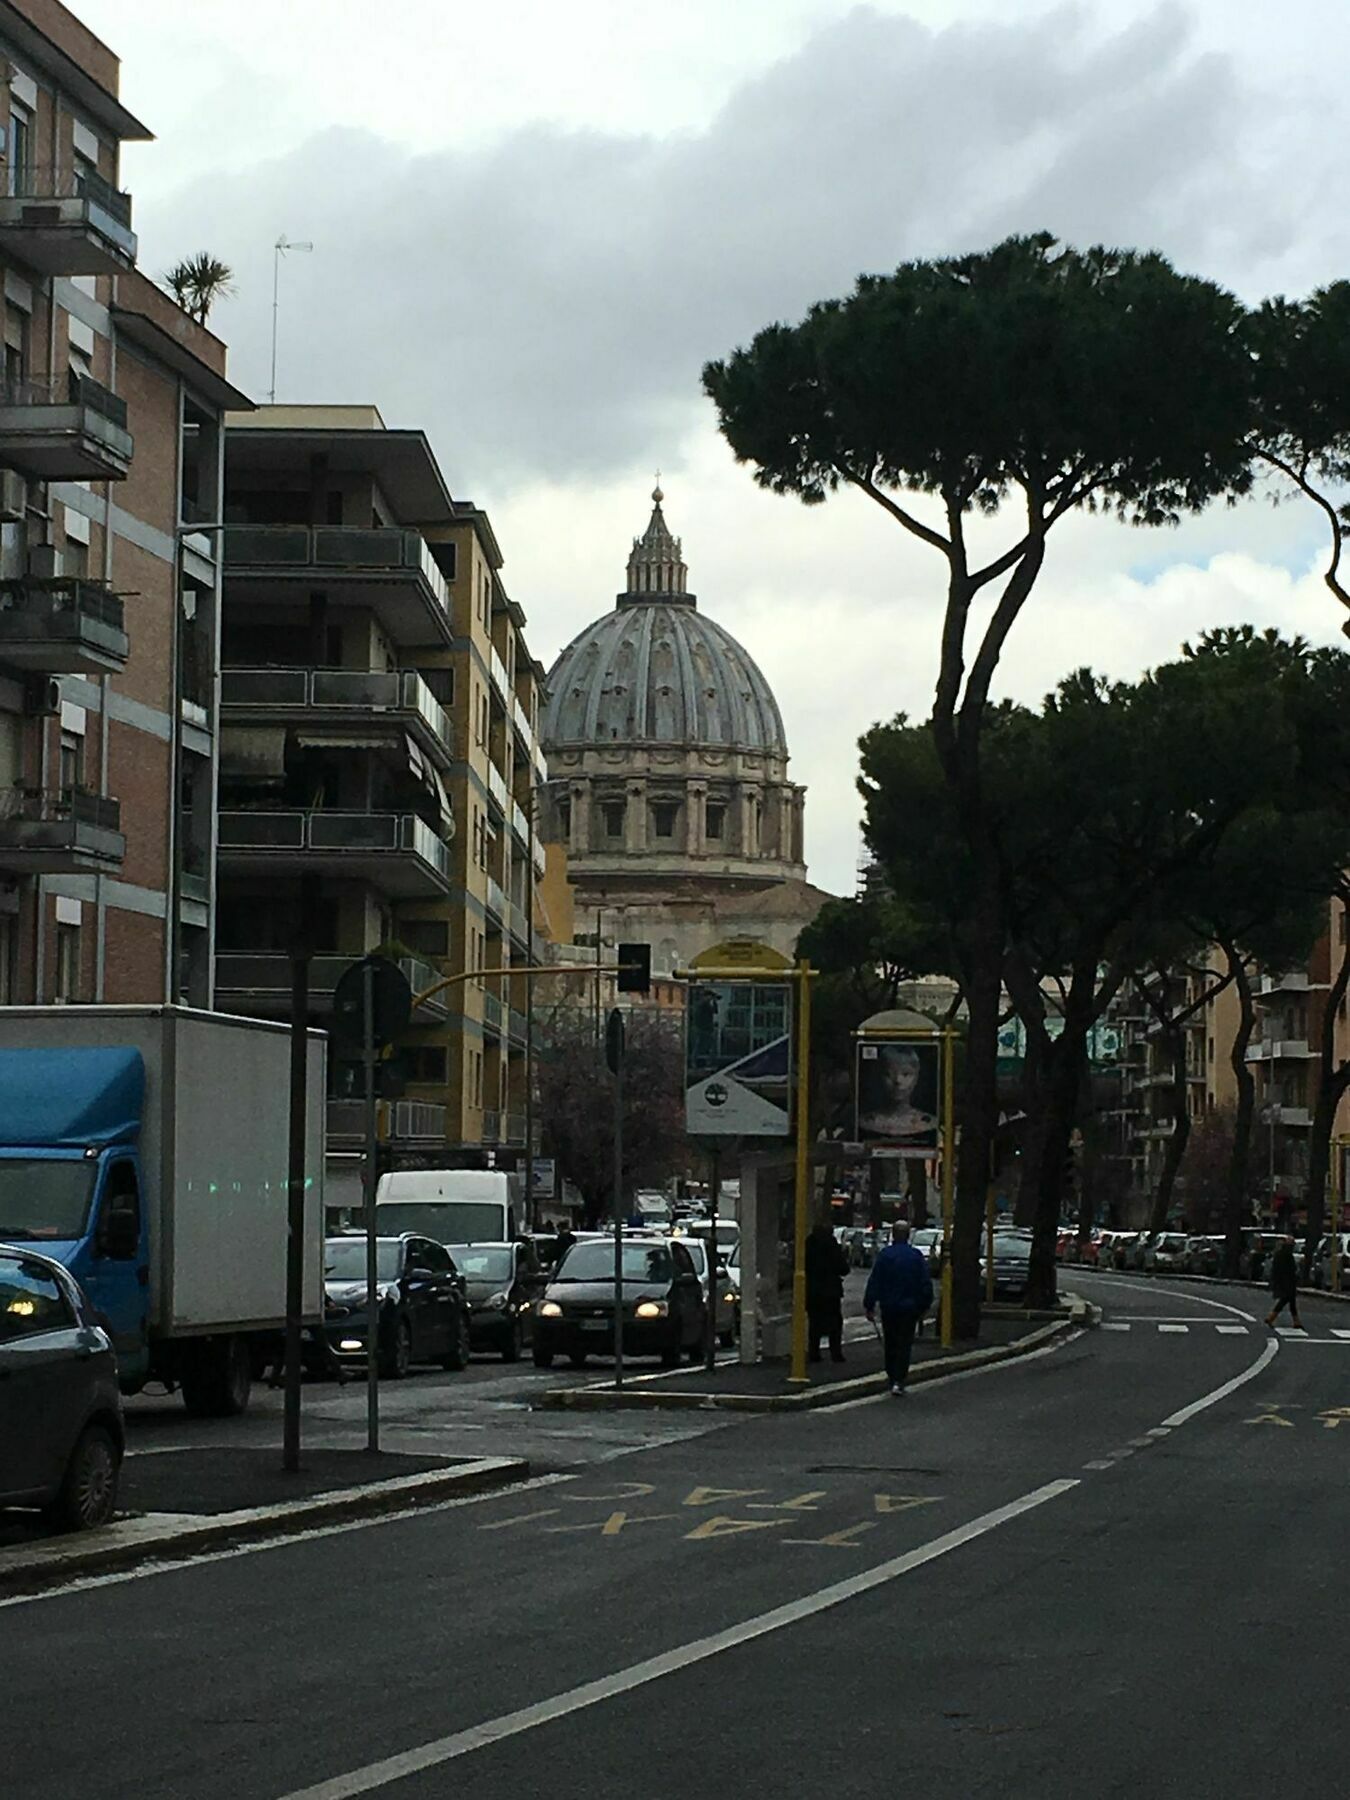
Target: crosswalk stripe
{"x": 1238, "y": 1330}
{"x": 1291, "y": 1331}
{"x": 1337, "y": 1332}
{"x": 1116, "y": 1325}
{"x": 1174, "y": 1328}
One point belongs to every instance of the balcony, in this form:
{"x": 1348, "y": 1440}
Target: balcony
{"x": 520, "y": 720}
{"x": 258, "y": 982}
{"x": 341, "y": 697}
{"x": 517, "y": 923}
{"x": 496, "y": 787}
{"x": 390, "y": 570}
{"x": 66, "y": 429}
{"x": 59, "y": 832}
{"x": 517, "y": 1025}
{"x": 496, "y": 899}
{"x": 1280, "y": 1050}
{"x": 493, "y": 1014}
{"x": 66, "y": 222}
{"x": 1292, "y": 981}
{"x": 515, "y": 1129}
{"x": 492, "y": 1126}
{"x": 61, "y": 627}
{"x": 397, "y": 853}
{"x": 501, "y": 687}
{"x": 407, "y": 1119}
{"x": 519, "y": 823}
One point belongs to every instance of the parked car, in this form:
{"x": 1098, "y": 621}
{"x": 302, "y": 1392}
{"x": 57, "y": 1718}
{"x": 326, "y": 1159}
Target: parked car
{"x": 1322, "y": 1262}
{"x": 1257, "y": 1249}
{"x": 1201, "y": 1256}
{"x": 1012, "y": 1263}
{"x": 1136, "y": 1257}
{"x": 661, "y": 1297}
{"x": 1167, "y": 1253}
{"x": 501, "y": 1283}
{"x": 424, "y": 1311}
{"x": 928, "y": 1239}
{"x": 728, "y": 1296}
{"x": 60, "y": 1406}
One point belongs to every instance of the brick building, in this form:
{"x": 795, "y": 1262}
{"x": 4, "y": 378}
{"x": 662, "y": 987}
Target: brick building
{"x": 111, "y": 407}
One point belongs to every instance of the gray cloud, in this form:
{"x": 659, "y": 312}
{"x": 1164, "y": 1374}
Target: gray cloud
{"x": 543, "y": 305}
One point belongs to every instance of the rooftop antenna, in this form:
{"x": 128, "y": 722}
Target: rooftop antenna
{"x": 279, "y": 249}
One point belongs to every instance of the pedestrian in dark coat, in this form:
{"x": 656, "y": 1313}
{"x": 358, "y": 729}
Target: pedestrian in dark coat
{"x": 901, "y": 1285}
{"x": 1284, "y": 1283}
{"x": 826, "y": 1267}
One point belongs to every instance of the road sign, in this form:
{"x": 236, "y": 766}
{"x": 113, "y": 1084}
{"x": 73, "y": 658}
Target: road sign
{"x": 740, "y": 953}
{"x": 738, "y": 1058}
{"x": 391, "y": 1003}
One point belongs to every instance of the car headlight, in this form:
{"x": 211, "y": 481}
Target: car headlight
{"x": 651, "y": 1309}
{"x": 549, "y": 1309}
{"x": 731, "y": 1296}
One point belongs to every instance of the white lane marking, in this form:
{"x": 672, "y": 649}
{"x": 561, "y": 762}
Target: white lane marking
{"x": 1142, "y": 1443}
{"x": 591, "y": 1693}
{"x": 113, "y": 1579}
{"x": 1159, "y": 1431}
{"x": 1336, "y": 1331}
{"x": 1187, "y": 1413}
{"x": 1191, "y": 1299}
{"x": 1174, "y": 1328}
{"x": 1238, "y": 1330}
{"x": 1116, "y": 1325}
{"x": 1292, "y": 1331}
{"x": 1097, "y": 1465}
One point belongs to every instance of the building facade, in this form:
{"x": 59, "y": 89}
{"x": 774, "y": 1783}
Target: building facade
{"x": 379, "y": 763}
{"x": 668, "y": 765}
{"x": 110, "y": 459}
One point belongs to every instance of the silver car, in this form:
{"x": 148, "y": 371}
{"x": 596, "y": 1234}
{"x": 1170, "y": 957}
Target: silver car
{"x": 60, "y": 1409}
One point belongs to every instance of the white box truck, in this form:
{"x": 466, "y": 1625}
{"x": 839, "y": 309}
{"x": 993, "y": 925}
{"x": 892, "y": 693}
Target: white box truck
{"x": 147, "y": 1148}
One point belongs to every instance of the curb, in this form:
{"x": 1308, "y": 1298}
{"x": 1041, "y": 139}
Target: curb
{"x": 131, "y": 1541}
{"x": 607, "y": 1399}
{"x": 1241, "y": 1281}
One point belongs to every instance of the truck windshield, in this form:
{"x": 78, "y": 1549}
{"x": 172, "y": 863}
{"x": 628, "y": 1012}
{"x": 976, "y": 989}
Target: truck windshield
{"x": 44, "y": 1198}
{"x": 444, "y": 1221}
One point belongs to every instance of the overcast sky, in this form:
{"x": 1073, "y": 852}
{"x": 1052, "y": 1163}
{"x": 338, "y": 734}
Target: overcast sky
{"x": 533, "y": 224}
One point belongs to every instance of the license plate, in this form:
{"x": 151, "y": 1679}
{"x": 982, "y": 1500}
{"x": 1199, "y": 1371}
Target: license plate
{"x": 597, "y": 1325}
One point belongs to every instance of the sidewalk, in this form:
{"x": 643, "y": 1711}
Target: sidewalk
{"x": 764, "y": 1387}
{"x": 180, "y": 1501}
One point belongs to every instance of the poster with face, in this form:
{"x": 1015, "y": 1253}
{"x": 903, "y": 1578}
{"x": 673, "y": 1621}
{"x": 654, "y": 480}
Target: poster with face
{"x": 897, "y": 1096}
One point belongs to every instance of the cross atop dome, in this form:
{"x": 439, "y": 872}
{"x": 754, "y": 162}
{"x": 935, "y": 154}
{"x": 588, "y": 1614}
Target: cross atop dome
{"x": 656, "y": 567}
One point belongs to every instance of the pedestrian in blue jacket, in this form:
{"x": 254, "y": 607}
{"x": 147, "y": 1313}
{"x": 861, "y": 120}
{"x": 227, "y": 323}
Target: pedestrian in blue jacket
{"x": 902, "y": 1287}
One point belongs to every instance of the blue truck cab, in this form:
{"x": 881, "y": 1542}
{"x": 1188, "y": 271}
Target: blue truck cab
{"x": 71, "y": 1181}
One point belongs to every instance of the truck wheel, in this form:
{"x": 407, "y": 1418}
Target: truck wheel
{"x": 88, "y": 1496}
{"x": 457, "y": 1356}
{"x": 217, "y": 1378}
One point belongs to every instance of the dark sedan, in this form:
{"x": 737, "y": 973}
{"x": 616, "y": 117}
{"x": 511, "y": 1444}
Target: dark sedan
{"x": 1012, "y": 1263}
{"x": 661, "y": 1298}
{"x": 424, "y": 1315}
{"x": 502, "y": 1282}
{"x": 60, "y": 1410}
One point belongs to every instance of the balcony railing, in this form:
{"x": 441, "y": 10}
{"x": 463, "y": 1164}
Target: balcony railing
{"x": 515, "y": 1128}
{"x": 496, "y": 899}
{"x": 58, "y": 830}
{"x": 496, "y": 787}
{"x": 521, "y": 720}
{"x": 519, "y": 823}
{"x": 42, "y": 806}
{"x": 519, "y": 1025}
{"x": 334, "y": 831}
{"x": 407, "y": 1119}
{"x": 265, "y": 976}
{"x": 497, "y": 669}
{"x": 334, "y": 547}
{"x": 493, "y": 1013}
{"x": 61, "y": 626}
{"x": 71, "y": 389}
{"x": 492, "y": 1126}
{"x": 358, "y": 690}
{"x": 44, "y": 182}
{"x": 516, "y": 922}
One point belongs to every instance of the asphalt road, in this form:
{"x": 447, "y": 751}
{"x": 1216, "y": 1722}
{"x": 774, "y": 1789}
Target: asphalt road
{"x": 1112, "y": 1568}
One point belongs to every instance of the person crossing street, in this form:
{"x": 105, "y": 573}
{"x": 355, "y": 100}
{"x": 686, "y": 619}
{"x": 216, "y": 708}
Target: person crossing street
{"x": 1284, "y": 1283}
{"x": 902, "y": 1288}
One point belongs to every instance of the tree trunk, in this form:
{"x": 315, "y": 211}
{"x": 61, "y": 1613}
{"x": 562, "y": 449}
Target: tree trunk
{"x": 1331, "y": 1085}
{"x": 1065, "y": 1065}
{"x": 1034, "y": 1097}
{"x": 1181, "y": 1131}
{"x": 1235, "y": 1192}
{"x": 979, "y": 1123}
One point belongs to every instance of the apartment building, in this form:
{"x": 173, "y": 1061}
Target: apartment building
{"x": 111, "y": 403}
{"x": 379, "y": 761}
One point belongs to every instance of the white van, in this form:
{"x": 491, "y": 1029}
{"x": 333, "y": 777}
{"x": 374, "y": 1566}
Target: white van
{"x": 450, "y": 1206}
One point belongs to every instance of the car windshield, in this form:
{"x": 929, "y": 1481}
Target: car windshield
{"x": 344, "y": 1259}
{"x": 726, "y": 1234}
{"x": 44, "y": 1198}
{"x": 446, "y": 1221}
{"x": 595, "y": 1262}
{"x": 491, "y": 1262}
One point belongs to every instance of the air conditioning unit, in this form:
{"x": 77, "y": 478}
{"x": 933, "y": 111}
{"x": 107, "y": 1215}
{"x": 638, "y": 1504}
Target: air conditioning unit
{"x": 41, "y": 696}
{"x": 13, "y": 495}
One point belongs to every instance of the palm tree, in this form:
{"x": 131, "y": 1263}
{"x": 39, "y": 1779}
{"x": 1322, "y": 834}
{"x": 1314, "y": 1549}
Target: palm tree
{"x": 198, "y": 282}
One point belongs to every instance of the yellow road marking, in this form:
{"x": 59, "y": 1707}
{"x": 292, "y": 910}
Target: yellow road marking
{"x": 520, "y": 1519}
{"x": 713, "y": 1496}
{"x": 802, "y": 1503}
{"x": 839, "y": 1540}
{"x": 720, "y": 1526}
{"x": 894, "y": 1503}
{"x": 615, "y": 1523}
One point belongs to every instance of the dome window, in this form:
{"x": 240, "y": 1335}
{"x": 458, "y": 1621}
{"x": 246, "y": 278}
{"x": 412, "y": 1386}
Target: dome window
{"x": 714, "y": 818}
{"x": 612, "y": 812}
{"x": 665, "y": 813}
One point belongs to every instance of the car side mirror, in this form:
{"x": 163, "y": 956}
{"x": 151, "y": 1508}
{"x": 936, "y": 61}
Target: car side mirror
{"x": 421, "y": 1274}
{"x": 119, "y": 1235}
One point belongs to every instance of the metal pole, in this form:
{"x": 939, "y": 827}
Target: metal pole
{"x": 618, "y": 1214}
{"x": 710, "y": 1322}
{"x": 598, "y": 958}
{"x": 989, "y": 1245}
{"x": 276, "y": 285}
{"x": 530, "y": 1205}
{"x": 948, "y": 1180}
{"x": 295, "y": 1205}
{"x": 368, "y": 1194}
{"x": 1337, "y": 1176}
{"x": 798, "y": 1374}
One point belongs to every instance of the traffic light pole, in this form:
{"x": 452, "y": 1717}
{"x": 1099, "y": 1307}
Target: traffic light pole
{"x": 614, "y": 1056}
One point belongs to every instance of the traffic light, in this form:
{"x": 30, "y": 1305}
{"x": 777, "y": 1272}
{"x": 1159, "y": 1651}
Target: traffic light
{"x": 635, "y": 968}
